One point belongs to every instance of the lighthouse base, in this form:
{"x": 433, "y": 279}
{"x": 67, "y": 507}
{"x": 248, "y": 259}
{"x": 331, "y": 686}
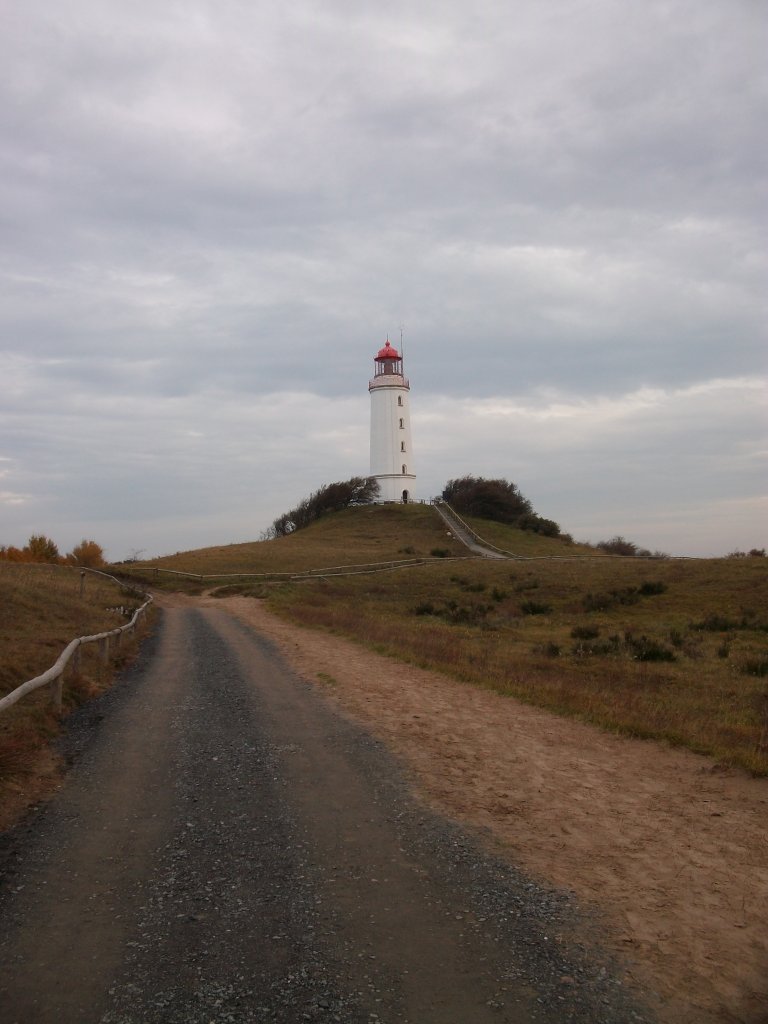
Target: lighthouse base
{"x": 395, "y": 486}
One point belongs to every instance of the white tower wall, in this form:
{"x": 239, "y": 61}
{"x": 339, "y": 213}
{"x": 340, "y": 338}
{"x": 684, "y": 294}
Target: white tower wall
{"x": 391, "y": 444}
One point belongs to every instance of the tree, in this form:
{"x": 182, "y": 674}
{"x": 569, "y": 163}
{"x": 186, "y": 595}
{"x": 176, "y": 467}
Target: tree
{"x": 42, "y": 549}
{"x": 12, "y": 554}
{"x": 498, "y": 500}
{"x": 88, "y": 553}
{"x": 358, "y": 490}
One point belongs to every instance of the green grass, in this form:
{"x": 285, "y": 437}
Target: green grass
{"x": 669, "y": 649}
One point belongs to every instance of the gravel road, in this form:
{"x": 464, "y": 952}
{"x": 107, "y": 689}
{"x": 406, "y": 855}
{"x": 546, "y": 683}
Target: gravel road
{"x": 226, "y": 848}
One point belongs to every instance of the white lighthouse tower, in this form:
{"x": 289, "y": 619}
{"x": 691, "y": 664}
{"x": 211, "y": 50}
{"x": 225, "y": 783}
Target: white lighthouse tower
{"x": 391, "y": 447}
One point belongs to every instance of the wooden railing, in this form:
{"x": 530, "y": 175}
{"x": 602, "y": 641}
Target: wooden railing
{"x": 303, "y": 574}
{"x": 54, "y": 677}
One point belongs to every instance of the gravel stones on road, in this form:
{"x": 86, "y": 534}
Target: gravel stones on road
{"x": 239, "y": 853}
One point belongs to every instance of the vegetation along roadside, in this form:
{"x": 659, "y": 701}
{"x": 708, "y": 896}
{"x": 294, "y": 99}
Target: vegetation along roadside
{"x": 670, "y": 649}
{"x": 42, "y": 608}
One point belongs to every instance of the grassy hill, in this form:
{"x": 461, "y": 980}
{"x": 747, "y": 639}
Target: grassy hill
{"x": 670, "y": 649}
{"x": 370, "y": 533}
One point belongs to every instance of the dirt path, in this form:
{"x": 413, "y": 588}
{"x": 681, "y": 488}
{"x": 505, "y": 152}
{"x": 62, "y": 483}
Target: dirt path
{"x": 229, "y": 849}
{"x": 672, "y": 848}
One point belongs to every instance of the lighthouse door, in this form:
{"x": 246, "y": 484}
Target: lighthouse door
{"x": 405, "y": 497}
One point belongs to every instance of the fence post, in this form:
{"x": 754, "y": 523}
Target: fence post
{"x": 57, "y": 686}
{"x": 77, "y": 658}
{"x": 104, "y": 649}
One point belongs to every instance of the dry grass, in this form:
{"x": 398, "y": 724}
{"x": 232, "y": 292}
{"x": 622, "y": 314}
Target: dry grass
{"x": 647, "y": 671}
{"x": 41, "y": 611}
{"x": 356, "y": 535}
{"x": 673, "y": 650}
{"x": 527, "y": 544}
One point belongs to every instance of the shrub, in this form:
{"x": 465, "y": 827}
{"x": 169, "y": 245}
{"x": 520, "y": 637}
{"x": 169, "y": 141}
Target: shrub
{"x": 424, "y": 608}
{"x": 618, "y": 545}
{"x": 357, "y": 490}
{"x": 755, "y": 667}
{"x": 601, "y": 601}
{"x": 465, "y": 615}
{"x": 550, "y": 649}
{"x": 602, "y": 647}
{"x": 585, "y": 632}
{"x": 715, "y": 623}
{"x": 535, "y": 608}
{"x": 440, "y": 552}
{"x": 643, "y": 648}
{"x": 498, "y": 500}
{"x": 649, "y": 588}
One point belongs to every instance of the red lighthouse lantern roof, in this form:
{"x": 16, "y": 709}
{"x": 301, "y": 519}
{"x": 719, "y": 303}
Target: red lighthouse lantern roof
{"x": 388, "y": 352}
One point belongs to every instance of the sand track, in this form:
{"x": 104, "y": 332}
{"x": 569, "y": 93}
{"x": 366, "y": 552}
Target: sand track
{"x": 672, "y": 847}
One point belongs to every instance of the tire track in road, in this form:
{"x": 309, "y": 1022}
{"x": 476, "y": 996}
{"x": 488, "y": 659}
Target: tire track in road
{"x": 227, "y": 848}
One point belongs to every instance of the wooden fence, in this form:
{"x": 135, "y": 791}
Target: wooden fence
{"x": 54, "y": 677}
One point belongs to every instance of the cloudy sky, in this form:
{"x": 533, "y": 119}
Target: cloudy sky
{"x": 214, "y": 212}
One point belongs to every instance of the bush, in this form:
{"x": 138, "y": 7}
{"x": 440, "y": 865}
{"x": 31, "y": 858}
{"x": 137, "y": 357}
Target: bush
{"x": 602, "y": 647}
{"x": 425, "y": 608}
{"x": 601, "y": 602}
{"x": 585, "y": 632}
{"x": 618, "y": 545}
{"x": 357, "y": 490}
{"x": 649, "y": 588}
{"x": 497, "y": 500}
{"x": 755, "y": 667}
{"x": 550, "y": 649}
{"x": 643, "y": 648}
{"x": 716, "y": 624}
{"x": 440, "y": 552}
{"x": 535, "y": 608}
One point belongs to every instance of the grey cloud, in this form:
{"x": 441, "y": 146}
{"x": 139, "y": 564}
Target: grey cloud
{"x": 241, "y": 201}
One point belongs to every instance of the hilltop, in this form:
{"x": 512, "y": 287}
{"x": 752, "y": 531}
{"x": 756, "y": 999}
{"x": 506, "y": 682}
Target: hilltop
{"x": 366, "y": 534}
{"x": 669, "y": 649}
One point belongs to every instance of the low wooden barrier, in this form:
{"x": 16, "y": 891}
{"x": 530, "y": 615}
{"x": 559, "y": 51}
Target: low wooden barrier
{"x": 54, "y": 677}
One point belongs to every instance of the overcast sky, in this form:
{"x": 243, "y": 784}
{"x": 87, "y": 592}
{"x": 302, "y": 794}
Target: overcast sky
{"x": 212, "y": 215}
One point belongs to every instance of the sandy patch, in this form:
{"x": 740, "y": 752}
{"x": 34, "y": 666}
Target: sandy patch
{"x": 672, "y": 849}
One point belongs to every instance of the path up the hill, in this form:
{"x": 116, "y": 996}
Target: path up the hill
{"x": 227, "y": 848}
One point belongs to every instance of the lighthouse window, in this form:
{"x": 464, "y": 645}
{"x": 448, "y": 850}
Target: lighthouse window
{"x": 405, "y": 470}
{"x": 402, "y": 446}
{"x": 399, "y": 399}
{"x": 402, "y": 423}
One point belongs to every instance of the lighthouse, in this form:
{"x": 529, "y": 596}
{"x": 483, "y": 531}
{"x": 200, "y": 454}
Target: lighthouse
{"x": 391, "y": 447}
